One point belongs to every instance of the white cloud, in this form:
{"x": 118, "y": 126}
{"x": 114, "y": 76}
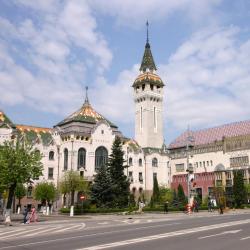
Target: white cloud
{"x": 134, "y": 13}
{"x": 213, "y": 79}
{"x": 55, "y": 44}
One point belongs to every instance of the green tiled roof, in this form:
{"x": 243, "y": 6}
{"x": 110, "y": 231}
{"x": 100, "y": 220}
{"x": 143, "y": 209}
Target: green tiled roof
{"x": 147, "y": 60}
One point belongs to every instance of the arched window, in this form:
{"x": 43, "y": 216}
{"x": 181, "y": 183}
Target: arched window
{"x": 66, "y": 156}
{"x": 101, "y": 157}
{"x": 140, "y": 162}
{"x": 81, "y": 158}
{"x": 154, "y": 162}
{"x": 51, "y": 155}
{"x": 130, "y": 161}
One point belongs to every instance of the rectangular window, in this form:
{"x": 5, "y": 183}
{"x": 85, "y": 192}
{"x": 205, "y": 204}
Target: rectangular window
{"x": 179, "y": 167}
{"x": 140, "y": 177}
{"x": 130, "y": 176}
{"x": 154, "y": 176}
{"x": 239, "y": 161}
{"x": 155, "y": 120}
{"x": 50, "y": 173}
{"x": 141, "y": 118}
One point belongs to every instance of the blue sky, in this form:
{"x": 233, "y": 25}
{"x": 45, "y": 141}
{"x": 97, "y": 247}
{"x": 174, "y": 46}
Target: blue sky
{"x": 51, "y": 49}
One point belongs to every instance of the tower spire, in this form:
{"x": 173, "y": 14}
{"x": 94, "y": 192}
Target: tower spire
{"x": 147, "y": 31}
{"x": 86, "y": 95}
{"x": 147, "y": 60}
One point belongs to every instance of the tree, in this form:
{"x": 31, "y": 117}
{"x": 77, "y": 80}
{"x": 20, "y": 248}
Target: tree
{"x": 182, "y": 199}
{"x": 156, "y": 192}
{"x": 45, "y": 192}
{"x": 20, "y": 192}
{"x": 71, "y": 183}
{"x": 239, "y": 190}
{"x": 116, "y": 167}
{"x": 19, "y": 163}
{"x": 166, "y": 194}
{"x": 101, "y": 193}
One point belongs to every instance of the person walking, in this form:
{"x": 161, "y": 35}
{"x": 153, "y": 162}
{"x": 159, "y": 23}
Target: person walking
{"x": 33, "y": 216}
{"x": 25, "y": 214}
{"x": 166, "y": 207}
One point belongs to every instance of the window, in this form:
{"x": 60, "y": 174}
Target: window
{"x": 207, "y": 163}
{"x": 66, "y": 156}
{"x": 179, "y": 167}
{"x": 155, "y": 120}
{"x": 130, "y": 161}
{"x": 140, "y": 162}
{"x": 239, "y": 161}
{"x": 141, "y": 118}
{"x": 140, "y": 177}
{"x": 81, "y": 158}
{"x": 130, "y": 176}
{"x": 154, "y": 162}
{"x": 50, "y": 173}
{"x": 154, "y": 176}
{"x": 101, "y": 157}
{"x": 211, "y": 163}
{"x": 29, "y": 192}
{"x": 51, "y": 155}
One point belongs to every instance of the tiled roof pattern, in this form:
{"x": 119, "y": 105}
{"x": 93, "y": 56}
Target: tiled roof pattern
{"x": 85, "y": 114}
{"x": 5, "y": 120}
{"x": 210, "y": 135}
{"x": 147, "y": 60}
{"x": 27, "y": 128}
{"x": 148, "y": 77}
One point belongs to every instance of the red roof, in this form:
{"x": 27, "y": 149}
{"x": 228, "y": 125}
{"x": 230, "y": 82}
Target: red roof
{"x": 206, "y": 136}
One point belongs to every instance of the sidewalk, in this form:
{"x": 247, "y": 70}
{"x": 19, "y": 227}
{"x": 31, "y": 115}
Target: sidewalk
{"x": 18, "y": 218}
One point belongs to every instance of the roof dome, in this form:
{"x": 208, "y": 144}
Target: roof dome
{"x": 86, "y": 114}
{"x": 149, "y": 77}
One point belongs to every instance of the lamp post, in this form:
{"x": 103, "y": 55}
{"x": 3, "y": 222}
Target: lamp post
{"x": 190, "y": 170}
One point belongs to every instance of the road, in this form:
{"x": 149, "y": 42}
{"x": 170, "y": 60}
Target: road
{"x": 200, "y": 231}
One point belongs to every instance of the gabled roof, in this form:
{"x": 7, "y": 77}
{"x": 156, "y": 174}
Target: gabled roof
{"x": 5, "y": 121}
{"x": 210, "y": 135}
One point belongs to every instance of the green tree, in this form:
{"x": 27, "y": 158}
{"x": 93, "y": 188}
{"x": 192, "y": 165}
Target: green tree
{"x": 71, "y": 183}
{"x": 19, "y": 163}
{"x": 45, "y": 192}
{"x": 20, "y": 192}
{"x": 101, "y": 189}
{"x": 166, "y": 194}
{"x": 116, "y": 167}
{"x": 156, "y": 192}
{"x": 239, "y": 190}
{"x": 182, "y": 199}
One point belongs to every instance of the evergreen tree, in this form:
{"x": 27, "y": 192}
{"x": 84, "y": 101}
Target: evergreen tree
{"x": 181, "y": 195}
{"x": 239, "y": 190}
{"x": 120, "y": 183}
{"x": 156, "y": 192}
{"x": 175, "y": 198}
{"x": 101, "y": 192}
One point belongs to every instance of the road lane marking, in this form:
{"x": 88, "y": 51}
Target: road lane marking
{"x": 11, "y": 231}
{"x": 19, "y": 233}
{"x": 103, "y": 223}
{"x": 42, "y": 231}
{"x": 166, "y": 235}
{"x": 222, "y": 233}
{"x": 246, "y": 238}
{"x": 72, "y": 227}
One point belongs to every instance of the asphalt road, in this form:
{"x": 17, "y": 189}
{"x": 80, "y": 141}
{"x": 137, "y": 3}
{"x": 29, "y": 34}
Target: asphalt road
{"x": 201, "y": 231}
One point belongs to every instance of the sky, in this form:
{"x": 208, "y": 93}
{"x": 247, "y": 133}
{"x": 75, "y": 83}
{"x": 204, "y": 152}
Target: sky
{"x": 50, "y": 50}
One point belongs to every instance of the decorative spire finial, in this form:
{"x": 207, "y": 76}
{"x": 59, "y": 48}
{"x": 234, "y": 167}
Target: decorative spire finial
{"x": 86, "y": 95}
{"x": 147, "y": 30}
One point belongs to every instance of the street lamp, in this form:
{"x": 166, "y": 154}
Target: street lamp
{"x": 190, "y": 169}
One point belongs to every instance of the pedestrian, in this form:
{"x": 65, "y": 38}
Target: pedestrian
{"x": 166, "y": 207}
{"x": 25, "y": 214}
{"x": 221, "y": 208}
{"x": 33, "y": 216}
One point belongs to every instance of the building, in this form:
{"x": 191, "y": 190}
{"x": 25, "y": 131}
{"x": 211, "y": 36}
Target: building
{"x": 83, "y": 140}
{"x": 214, "y": 154}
